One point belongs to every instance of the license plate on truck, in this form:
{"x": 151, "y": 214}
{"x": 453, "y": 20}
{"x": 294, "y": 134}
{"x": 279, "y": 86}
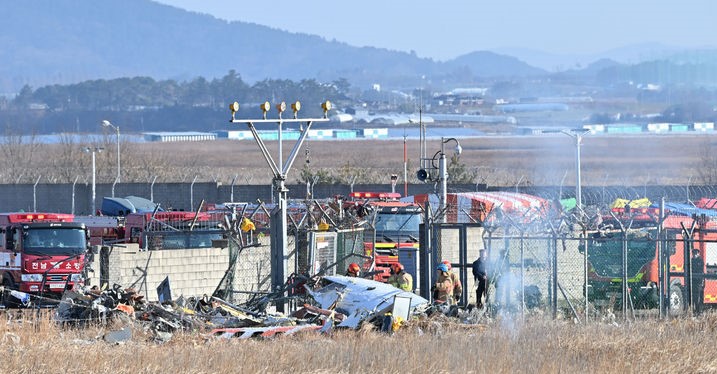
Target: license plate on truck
{"x": 57, "y": 286}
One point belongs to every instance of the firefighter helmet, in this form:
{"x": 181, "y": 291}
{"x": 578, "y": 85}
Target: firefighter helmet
{"x": 354, "y": 268}
{"x": 323, "y": 226}
{"x": 397, "y": 267}
{"x": 448, "y": 264}
{"x": 247, "y": 225}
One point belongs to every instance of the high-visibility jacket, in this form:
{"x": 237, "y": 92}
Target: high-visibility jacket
{"x": 444, "y": 287}
{"x": 457, "y": 286}
{"x": 402, "y": 280}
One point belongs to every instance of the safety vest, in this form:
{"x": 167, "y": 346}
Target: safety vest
{"x": 402, "y": 280}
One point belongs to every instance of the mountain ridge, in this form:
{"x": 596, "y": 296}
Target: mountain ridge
{"x": 75, "y": 40}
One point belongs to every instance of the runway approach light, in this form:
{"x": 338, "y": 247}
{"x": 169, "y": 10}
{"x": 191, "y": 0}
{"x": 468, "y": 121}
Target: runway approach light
{"x": 234, "y": 107}
{"x": 265, "y": 107}
{"x": 281, "y": 107}
{"x": 296, "y": 107}
{"x": 326, "y": 106}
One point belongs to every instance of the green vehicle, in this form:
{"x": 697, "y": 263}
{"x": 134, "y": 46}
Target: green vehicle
{"x": 605, "y": 269}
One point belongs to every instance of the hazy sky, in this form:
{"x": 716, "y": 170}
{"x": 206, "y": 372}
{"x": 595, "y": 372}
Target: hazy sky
{"x": 446, "y": 29}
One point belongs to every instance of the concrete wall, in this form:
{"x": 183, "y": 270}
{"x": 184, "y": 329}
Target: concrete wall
{"x": 191, "y": 272}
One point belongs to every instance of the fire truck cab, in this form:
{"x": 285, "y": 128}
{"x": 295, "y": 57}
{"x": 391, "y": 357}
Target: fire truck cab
{"x": 396, "y": 227}
{"x": 41, "y": 253}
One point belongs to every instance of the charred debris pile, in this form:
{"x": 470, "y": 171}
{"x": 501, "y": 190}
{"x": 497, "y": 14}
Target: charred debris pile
{"x": 330, "y": 303}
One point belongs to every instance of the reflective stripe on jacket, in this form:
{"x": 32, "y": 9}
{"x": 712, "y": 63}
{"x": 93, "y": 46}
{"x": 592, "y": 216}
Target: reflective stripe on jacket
{"x": 402, "y": 280}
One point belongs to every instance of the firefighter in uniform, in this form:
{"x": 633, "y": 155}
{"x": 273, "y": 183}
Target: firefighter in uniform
{"x": 354, "y": 270}
{"x": 400, "y": 278}
{"x": 443, "y": 288}
{"x": 457, "y": 285}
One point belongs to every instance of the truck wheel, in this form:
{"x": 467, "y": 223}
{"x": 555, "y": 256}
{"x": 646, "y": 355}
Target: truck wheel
{"x": 677, "y": 301}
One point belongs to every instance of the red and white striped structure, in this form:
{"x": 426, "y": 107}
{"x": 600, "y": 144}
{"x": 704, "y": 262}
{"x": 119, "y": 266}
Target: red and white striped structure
{"x": 466, "y": 207}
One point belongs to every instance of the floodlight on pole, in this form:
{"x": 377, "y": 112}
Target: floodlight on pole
{"x": 106, "y": 123}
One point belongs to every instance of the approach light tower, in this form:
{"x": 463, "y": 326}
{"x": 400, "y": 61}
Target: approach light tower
{"x": 279, "y": 252}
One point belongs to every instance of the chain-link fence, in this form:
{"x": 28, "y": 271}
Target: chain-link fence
{"x": 541, "y": 257}
{"x": 625, "y": 268}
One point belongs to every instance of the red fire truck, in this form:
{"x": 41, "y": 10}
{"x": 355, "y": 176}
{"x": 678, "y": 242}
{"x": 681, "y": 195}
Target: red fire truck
{"x": 396, "y": 227}
{"x": 41, "y": 253}
{"x": 158, "y": 230}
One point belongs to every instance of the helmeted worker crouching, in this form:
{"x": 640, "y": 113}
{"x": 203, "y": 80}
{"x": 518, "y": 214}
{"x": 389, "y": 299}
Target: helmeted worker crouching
{"x": 443, "y": 288}
{"x": 400, "y": 278}
{"x": 354, "y": 270}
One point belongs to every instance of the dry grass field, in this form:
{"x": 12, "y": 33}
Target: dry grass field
{"x": 532, "y": 346}
{"x": 547, "y": 159}
{"x": 498, "y": 161}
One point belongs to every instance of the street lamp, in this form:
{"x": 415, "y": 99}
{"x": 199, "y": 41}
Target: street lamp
{"x": 443, "y": 173}
{"x": 577, "y": 134}
{"x": 93, "y": 150}
{"x": 106, "y": 123}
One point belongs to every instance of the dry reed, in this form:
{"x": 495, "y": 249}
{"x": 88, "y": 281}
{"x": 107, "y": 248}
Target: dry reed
{"x": 37, "y": 345}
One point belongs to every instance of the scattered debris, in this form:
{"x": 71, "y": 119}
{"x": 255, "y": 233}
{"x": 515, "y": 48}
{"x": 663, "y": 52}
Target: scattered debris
{"x": 264, "y": 332}
{"x": 118, "y": 337}
{"x": 361, "y": 300}
{"x": 332, "y": 302}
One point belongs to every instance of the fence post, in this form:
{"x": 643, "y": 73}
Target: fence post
{"x": 191, "y": 193}
{"x": 662, "y": 276}
{"x": 584, "y": 243}
{"x": 522, "y": 273}
{"x": 554, "y": 278}
{"x": 113, "y": 186}
{"x": 625, "y": 289}
{"x": 463, "y": 261}
{"x": 73, "y": 194}
{"x": 231, "y": 197}
{"x": 151, "y": 189}
{"x": 687, "y": 262}
{"x": 34, "y": 194}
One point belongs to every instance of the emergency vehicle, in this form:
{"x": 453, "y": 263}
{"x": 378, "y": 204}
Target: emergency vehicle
{"x": 41, "y": 253}
{"x": 157, "y": 230}
{"x": 396, "y": 226}
{"x": 605, "y": 257}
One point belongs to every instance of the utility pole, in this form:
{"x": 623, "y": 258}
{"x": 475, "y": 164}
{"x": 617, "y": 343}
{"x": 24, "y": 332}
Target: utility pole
{"x": 405, "y": 166}
{"x": 443, "y": 175}
{"x": 94, "y": 173}
{"x": 107, "y": 123}
{"x": 577, "y": 135}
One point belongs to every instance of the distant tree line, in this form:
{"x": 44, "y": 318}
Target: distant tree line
{"x": 142, "y": 103}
